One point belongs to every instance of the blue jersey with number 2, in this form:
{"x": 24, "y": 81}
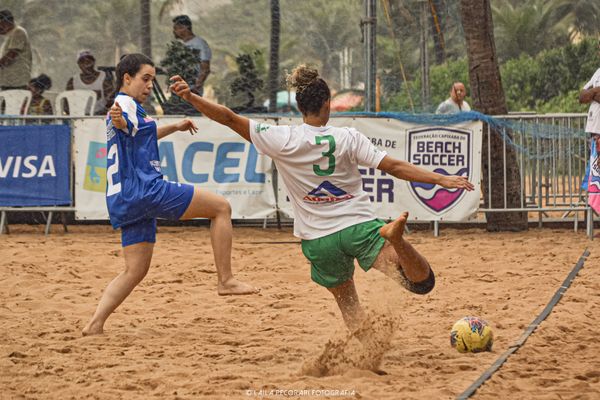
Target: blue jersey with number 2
{"x": 133, "y": 176}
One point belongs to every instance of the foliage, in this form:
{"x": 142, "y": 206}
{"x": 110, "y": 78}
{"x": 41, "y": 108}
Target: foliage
{"x": 527, "y": 27}
{"x": 548, "y": 82}
{"x": 180, "y": 60}
{"x": 247, "y": 83}
{"x": 183, "y": 61}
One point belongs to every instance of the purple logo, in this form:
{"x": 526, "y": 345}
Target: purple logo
{"x": 446, "y": 151}
{"x": 327, "y": 192}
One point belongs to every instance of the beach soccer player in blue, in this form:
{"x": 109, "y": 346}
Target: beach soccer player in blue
{"x": 137, "y": 194}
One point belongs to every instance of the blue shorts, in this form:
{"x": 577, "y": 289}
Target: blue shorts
{"x": 172, "y": 206}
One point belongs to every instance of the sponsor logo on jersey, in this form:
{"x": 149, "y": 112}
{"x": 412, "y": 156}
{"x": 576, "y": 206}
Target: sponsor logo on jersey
{"x": 260, "y": 128}
{"x": 327, "y": 192}
{"x": 155, "y": 164}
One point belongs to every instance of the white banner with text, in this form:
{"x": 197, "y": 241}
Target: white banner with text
{"x": 448, "y": 150}
{"x": 215, "y": 159}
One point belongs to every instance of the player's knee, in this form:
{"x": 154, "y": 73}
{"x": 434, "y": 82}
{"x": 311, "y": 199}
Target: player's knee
{"x": 425, "y": 286}
{"x": 137, "y": 274}
{"x": 223, "y": 208}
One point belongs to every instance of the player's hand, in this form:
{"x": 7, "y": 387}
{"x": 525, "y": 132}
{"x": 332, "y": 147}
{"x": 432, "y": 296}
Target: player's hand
{"x": 180, "y": 87}
{"x": 187, "y": 125}
{"x": 116, "y": 116}
{"x": 456, "y": 182}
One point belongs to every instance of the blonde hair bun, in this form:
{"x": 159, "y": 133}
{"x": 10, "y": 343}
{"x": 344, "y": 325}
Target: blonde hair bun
{"x": 301, "y": 77}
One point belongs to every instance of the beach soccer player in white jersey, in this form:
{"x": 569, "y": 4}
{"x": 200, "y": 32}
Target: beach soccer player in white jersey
{"x": 315, "y": 158}
{"x": 137, "y": 194}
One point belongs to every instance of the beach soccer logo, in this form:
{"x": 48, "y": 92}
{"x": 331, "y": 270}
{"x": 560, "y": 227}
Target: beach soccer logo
{"x": 327, "y": 192}
{"x": 95, "y": 168}
{"x": 446, "y": 151}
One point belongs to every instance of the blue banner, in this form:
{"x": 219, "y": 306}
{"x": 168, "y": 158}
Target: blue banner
{"x": 34, "y": 165}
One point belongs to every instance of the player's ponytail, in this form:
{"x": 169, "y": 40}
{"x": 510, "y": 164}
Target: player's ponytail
{"x": 311, "y": 91}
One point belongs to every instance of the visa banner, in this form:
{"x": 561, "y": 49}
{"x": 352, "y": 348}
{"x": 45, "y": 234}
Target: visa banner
{"x": 214, "y": 159}
{"x": 35, "y": 163}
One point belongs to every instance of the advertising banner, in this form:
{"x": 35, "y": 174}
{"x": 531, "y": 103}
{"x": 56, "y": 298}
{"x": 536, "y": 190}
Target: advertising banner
{"x": 35, "y": 165}
{"x": 215, "y": 159}
{"x": 448, "y": 150}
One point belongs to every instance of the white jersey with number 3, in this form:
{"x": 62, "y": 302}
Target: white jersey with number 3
{"x": 319, "y": 167}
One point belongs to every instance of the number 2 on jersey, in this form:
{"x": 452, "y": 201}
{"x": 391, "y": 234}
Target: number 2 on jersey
{"x": 110, "y": 171}
{"x": 329, "y": 154}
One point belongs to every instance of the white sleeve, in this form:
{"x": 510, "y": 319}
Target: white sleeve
{"x": 591, "y": 82}
{"x": 269, "y": 139}
{"x": 365, "y": 153}
{"x": 129, "y": 113}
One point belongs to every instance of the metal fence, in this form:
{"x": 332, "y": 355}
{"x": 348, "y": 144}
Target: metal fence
{"x": 551, "y": 167}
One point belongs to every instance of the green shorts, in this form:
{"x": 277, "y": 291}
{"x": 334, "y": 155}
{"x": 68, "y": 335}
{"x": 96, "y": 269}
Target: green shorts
{"x": 332, "y": 256}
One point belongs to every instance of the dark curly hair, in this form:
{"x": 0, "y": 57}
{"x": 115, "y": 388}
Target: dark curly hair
{"x": 311, "y": 91}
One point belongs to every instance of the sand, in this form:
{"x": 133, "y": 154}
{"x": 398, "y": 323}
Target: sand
{"x": 175, "y": 338}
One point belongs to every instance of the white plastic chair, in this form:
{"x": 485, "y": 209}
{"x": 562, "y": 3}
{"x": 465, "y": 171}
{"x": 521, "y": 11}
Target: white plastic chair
{"x": 13, "y": 101}
{"x": 80, "y": 102}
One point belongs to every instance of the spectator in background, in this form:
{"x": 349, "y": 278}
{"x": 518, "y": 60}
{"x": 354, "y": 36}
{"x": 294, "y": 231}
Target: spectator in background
{"x": 456, "y": 103}
{"x": 91, "y": 79}
{"x": 182, "y": 29}
{"x": 15, "y": 54}
{"x": 590, "y": 94}
{"x": 39, "y": 104}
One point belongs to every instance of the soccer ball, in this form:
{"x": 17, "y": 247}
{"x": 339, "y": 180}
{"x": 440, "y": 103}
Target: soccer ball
{"x": 471, "y": 334}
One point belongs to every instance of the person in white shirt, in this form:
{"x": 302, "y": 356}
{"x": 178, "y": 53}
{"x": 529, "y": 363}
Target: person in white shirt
{"x": 590, "y": 94}
{"x": 89, "y": 78}
{"x": 333, "y": 215}
{"x": 456, "y": 103}
{"x": 15, "y": 54}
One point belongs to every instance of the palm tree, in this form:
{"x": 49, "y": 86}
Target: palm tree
{"x": 582, "y": 15}
{"x": 146, "y": 31}
{"x": 274, "y": 56}
{"x": 488, "y": 97}
{"x": 529, "y": 26}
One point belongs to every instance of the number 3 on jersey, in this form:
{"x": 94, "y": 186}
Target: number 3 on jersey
{"x": 113, "y": 188}
{"x": 329, "y": 154}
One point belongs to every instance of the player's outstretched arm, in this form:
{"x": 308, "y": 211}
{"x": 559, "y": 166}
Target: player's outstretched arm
{"x": 586, "y": 96}
{"x": 410, "y": 172}
{"x": 183, "y": 125}
{"x": 216, "y": 112}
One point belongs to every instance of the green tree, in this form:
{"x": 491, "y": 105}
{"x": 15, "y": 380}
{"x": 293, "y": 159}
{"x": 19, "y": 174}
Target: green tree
{"x": 527, "y": 27}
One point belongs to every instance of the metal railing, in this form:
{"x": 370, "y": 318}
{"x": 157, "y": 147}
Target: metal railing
{"x": 551, "y": 167}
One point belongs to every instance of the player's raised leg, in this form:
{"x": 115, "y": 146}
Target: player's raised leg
{"x": 206, "y": 204}
{"x": 402, "y": 262}
{"x": 137, "y": 263}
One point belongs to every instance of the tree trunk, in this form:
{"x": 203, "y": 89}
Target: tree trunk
{"x": 274, "y": 56}
{"x": 145, "y": 31}
{"x": 488, "y": 98}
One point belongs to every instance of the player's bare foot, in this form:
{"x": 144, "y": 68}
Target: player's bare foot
{"x": 92, "y": 329}
{"x": 395, "y": 229}
{"x": 235, "y": 287}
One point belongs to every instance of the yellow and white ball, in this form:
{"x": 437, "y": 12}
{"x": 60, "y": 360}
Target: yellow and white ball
{"x": 471, "y": 334}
